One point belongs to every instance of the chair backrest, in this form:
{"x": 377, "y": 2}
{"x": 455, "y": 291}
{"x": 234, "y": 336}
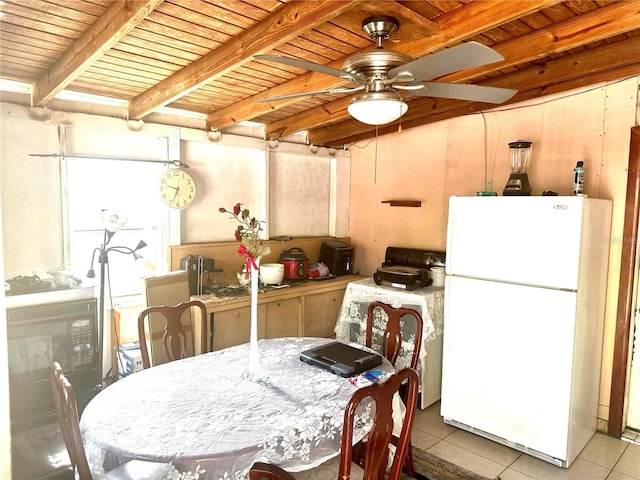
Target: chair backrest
{"x": 67, "y": 411}
{"x": 174, "y": 339}
{"x": 392, "y": 336}
{"x": 376, "y": 448}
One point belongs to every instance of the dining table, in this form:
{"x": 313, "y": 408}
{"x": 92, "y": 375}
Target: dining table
{"x": 204, "y": 417}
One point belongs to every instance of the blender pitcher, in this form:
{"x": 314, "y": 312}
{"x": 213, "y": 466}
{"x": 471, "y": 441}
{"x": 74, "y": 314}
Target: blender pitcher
{"x": 519, "y": 157}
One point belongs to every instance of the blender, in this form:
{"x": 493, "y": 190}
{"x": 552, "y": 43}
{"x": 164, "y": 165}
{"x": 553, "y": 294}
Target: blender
{"x": 520, "y": 154}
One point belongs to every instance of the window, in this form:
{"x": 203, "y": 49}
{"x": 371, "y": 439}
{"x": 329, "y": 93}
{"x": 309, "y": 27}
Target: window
{"x": 130, "y": 189}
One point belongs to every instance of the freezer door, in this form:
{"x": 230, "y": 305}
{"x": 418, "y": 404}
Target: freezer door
{"x": 507, "y": 361}
{"x": 528, "y": 240}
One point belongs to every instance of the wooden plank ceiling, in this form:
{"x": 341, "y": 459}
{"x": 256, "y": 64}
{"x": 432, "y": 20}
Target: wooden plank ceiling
{"x": 198, "y": 55}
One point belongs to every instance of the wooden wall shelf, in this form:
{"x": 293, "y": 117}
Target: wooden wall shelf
{"x": 403, "y": 203}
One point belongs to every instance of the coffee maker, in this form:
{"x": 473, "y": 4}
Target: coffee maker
{"x": 519, "y": 154}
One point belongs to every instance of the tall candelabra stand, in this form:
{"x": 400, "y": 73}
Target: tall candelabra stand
{"x": 112, "y": 225}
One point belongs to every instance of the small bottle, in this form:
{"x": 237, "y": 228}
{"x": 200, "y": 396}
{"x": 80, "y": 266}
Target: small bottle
{"x": 578, "y": 179}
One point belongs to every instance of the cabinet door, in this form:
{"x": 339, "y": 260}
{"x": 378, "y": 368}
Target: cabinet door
{"x": 282, "y": 318}
{"x": 321, "y": 312}
{"x": 233, "y": 327}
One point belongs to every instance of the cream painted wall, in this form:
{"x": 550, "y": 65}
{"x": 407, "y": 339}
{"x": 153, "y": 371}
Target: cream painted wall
{"x": 5, "y": 424}
{"x": 468, "y": 154}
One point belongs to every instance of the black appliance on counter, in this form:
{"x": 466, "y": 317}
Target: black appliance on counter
{"x": 408, "y": 268}
{"x": 337, "y": 256}
{"x": 197, "y": 267}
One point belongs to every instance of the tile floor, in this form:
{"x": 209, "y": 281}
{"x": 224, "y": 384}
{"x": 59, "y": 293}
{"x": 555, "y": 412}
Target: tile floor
{"x": 603, "y": 458}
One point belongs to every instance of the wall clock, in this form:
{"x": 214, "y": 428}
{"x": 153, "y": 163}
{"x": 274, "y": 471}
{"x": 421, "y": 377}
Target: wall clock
{"x": 177, "y": 188}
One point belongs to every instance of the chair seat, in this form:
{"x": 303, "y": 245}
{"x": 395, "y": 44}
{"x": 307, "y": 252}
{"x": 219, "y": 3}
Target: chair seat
{"x": 329, "y": 471}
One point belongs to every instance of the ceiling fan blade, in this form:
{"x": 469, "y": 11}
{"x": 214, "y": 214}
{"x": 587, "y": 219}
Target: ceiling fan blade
{"x": 314, "y": 67}
{"x": 306, "y": 94}
{"x": 467, "y": 55}
{"x": 456, "y": 91}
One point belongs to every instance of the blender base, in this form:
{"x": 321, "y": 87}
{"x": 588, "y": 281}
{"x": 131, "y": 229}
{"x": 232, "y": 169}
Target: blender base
{"x": 518, "y": 185}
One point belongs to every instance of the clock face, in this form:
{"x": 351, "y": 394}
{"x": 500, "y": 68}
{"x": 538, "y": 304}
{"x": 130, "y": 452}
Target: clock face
{"x": 177, "y": 188}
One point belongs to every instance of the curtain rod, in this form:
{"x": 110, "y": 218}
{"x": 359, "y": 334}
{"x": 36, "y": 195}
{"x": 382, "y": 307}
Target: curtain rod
{"x": 176, "y": 163}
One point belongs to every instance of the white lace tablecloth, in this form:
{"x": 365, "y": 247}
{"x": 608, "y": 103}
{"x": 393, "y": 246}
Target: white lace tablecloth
{"x": 352, "y": 322}
{"x": 203, "y": 419}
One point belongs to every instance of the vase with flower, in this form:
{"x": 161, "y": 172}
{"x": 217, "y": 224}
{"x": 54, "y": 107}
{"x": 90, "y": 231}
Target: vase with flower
{"x": 252, "y": 249}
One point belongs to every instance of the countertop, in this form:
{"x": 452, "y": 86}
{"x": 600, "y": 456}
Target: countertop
{"x": 270, "y": 294}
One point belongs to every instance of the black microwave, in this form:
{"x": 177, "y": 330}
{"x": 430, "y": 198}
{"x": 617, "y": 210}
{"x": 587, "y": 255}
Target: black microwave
{"x": 37, "y": 335}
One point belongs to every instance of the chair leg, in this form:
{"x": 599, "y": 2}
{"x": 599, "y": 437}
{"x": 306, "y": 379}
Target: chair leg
{"x": 408, "y": 462}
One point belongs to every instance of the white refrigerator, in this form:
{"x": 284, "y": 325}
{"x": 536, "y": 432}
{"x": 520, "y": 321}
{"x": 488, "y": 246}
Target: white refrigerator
{"x": 525, "y": 289}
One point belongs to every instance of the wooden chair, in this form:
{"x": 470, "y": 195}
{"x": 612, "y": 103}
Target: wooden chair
{"x": 391, "y": 344}
{"x": 174, "y": 339}
{"x": 67, "y": 412}
{"x": 392, "y": 336}
{"x": 376, "y": 448}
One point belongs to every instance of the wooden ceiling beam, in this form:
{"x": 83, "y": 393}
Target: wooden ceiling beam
{"x": 606, "y": 63}
{"x": 277, "y": 28}
{"x": 116, "y": 22}
{"x": 570, "y": 34}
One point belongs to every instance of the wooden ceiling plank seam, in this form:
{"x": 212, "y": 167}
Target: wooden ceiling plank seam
{"x": 305, "y": 45}
{"x": 67, "y": 34}
{"x": 158, "y": 57}
{"x": 348, "y": 37}
{"x": 207, "y": 39}
{"x": 503, "y": 12}
{"x": 134, "y": 57}
{"x": 520, "y": 50}
{"x": 108, "y": 29}
{"x": 133, "y": 65}
{"x": 581, "y": 7}
{"x": 48, "y": 49}
{"x": 160, "y": 48}
{"x": 558, "y": 13}
{"x": 434, "y": 9}
{"x": 166, "y": 21}
{"x": 279, "y": 27}
{"x": 175, "y": 40}
{"x": 122, "y": 72}
{"x": 335, "y": 45}
{"x": 563, "y": 70}
{"x": 76, "y": 23}
{"x": 238, "y": 15}
{"x": 293, "y": 50}
{"x": 23, "y": 55}
{"x": 260, "y": 82}
{"x": 31, "y": 33}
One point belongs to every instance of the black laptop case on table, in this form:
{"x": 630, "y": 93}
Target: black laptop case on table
{"x": 341, "y": 359}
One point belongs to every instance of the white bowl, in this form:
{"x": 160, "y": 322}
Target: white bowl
{"x": 272, "y": 273}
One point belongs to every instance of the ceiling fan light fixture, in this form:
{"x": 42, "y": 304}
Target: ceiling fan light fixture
{"x": 377, "y": 108}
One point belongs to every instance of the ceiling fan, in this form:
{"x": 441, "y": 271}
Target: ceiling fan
{"x": 380, "y": 74}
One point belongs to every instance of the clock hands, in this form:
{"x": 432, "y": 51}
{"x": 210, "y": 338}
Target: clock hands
{"x": 177, "y": 189}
